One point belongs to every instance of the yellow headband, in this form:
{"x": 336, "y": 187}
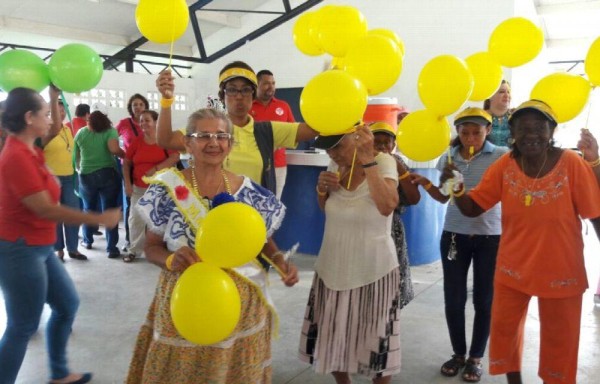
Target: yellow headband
{"x": 232, "y": 73}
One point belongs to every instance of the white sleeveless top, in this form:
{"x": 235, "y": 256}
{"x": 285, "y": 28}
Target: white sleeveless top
{"x": 357, "y": 246}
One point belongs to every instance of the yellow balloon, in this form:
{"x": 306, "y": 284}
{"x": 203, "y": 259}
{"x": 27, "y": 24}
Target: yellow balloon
{"x": 487, "y": 74}
{"x": 162, "y": 21}
{"x": 515, "y": 41}
{"x": 338, "y": 63}
{"x": 444, "y": 84}
{"x": 376, "y": 61}
{"x": 205, "y": 304}
{"x": 565, "y": 93}
{"x": 304, "y": 35}
{"x": 423, "y": 135}
{"x": 592, "y": 63}
{"x": 339, "y": 27}
{"x": 231, "y": 235}
{"x": 333, "y": 102}
{"x": 391, "y": 34}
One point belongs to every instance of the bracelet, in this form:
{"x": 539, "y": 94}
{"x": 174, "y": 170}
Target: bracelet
{"x": 460, "y": 193}
{"x": 594, "y": 163}
{"x": 166, "y": 103}
{"x": 169, "y": 261}
{"x": 428, "y": 186}
{"x": 405, "y": 175}
{"x": 369, "y": 165}
{"x": 319, "y": 191}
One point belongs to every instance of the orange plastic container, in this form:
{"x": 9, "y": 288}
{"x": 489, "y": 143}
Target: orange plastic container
{"x": 382, "y": 109}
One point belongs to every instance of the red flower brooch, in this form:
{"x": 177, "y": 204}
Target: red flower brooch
{"x": 181, "y": 192}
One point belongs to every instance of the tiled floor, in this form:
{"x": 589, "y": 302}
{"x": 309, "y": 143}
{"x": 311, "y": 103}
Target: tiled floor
{"x": 115, "y": 298}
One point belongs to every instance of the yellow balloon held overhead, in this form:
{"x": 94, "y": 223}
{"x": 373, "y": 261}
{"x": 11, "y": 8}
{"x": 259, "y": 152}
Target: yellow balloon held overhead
{"x": 444, "y": 84}
{"x": 592, "y": 63}
{"x": 162, "y": 21}
{"x": 565, "y": 93}
{"x": 304, "y": 34}
{"x": 333, "y": 101}
{"x": 205, "y": 304}
{"x": 515, "y": 42}
{"x": 487, "y": 75}
{"x": 423, "y": 136}
{"x": 338, "y": 27}
{"x": 216, "y": 243}
{"x": 376, "y": 61}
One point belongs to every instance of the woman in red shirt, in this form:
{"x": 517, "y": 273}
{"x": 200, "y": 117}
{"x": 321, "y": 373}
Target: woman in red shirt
{"x": 30, "y": 274}
{"x": 142, "y": 158}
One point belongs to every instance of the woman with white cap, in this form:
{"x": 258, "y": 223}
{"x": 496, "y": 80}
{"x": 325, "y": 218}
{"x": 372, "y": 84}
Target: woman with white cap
{"x": 544, "y": 191}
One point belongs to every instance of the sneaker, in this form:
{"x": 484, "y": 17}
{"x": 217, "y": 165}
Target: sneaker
{"x": 114, "y": 255}
{"x": 86, "y": 245}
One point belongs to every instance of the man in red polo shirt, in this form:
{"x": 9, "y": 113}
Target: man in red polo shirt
{"x": 266, "y": 107}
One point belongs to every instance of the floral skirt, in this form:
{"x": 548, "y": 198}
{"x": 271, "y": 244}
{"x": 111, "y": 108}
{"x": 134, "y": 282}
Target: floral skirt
{"x": 354, "y": 331}
{"x": 161, "y": 356}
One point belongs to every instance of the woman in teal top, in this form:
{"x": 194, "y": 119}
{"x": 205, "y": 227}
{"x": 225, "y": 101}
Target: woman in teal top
{"x": 94, "y": 151}
{"x": 498, "y": 106}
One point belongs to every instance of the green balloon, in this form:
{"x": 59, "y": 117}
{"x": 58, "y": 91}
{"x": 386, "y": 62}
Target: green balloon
{"x": 20, "y": 68}
{"x": 75, "y": 68}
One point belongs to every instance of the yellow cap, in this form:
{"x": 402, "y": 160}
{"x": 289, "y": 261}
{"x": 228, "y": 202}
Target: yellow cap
{"x": 382, "y": 126}
{"x": 473, "y": 115}
{"x": 536, "y": 105}
{"x": 232, "y": 73}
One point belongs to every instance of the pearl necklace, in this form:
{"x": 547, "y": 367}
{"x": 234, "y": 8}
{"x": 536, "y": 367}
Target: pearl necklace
{"x": 225, "y": 179}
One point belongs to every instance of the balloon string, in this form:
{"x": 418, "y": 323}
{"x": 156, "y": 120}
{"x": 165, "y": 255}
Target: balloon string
{"x": 64, "y": 103}
{"x": 352, "y": 169}
{"x": 587, "y": 119}
{"x": 172, "y": 39}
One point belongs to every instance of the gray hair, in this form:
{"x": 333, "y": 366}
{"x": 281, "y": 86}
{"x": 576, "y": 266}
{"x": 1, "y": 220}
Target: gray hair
{"x": 207, "y": 114}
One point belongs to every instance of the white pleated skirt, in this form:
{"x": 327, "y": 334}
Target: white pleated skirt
{"x": 354, "y": 331}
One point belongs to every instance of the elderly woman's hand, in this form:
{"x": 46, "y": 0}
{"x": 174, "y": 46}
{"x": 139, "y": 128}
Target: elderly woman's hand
{"x": 588, "y": 145}
{"x": 363, "y": 140}
{"x": 291, "y": 277}
{"x": 328, "y": 181}
{"x": 183, "y": 258}
{"x": 447, "y": 173}
{"x": 165, "y": 83}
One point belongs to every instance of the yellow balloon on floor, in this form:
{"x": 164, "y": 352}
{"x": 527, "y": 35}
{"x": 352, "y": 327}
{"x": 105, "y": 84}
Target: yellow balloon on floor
{"x": 340, "y": 26}
{"x": 303, "y": 34}
{"x": 162, "y": 21}
{"x": 231, "y": 235}
{"x": 391, "y": 34}
{"x": 205, "y": 304}
{"x": 566, "y": 93}
{"x": 515, "y": 41}
{"x": 376, "y": 61}
{"x": 333, "y": 102}
{"x": 487, "y": 74}
{"x": 423, "y": 135}
{"x": 444, "y": 84}
{"x": 592, "y": 63}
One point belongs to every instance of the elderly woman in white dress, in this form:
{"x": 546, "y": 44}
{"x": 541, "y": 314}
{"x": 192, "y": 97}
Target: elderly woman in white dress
{"x": 351, "y": 325}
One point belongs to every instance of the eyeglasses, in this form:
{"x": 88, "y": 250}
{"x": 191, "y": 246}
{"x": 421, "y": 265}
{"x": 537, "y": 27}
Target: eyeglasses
{"x": 246, "y": 91}
{"x": 207, "y": 136}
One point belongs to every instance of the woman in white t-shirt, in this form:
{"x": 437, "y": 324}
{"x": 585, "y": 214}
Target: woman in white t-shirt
{"x": 352, "y": 319}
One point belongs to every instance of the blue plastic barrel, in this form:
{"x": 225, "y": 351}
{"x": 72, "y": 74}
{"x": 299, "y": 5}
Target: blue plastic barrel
{"x": 424, "y": 223}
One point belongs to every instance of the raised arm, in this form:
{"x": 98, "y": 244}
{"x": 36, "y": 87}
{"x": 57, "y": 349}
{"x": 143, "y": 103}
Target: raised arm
{"x": 165, "y": 136}
{"x": 305, "y": 132}
{"x": 54, "y": 114}
{"x": 589, "y": 147}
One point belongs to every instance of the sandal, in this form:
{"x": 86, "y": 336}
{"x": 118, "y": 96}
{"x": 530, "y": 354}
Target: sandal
{"x": 473, "y": 371}
{"x": 129, "y": 257}
{"x": 451, "y": 367}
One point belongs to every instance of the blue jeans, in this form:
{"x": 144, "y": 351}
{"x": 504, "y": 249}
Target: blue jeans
{"x": 29, "y": 277}
{"x": 481, "y": 250}
{"x": 64, "y": 231}
{"x": 104, "y": 185}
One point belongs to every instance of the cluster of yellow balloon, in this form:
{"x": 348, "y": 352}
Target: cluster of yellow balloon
{"x": 364, "y": 62}
{"x": 446, "y": 82}
{"x": 162, "y": 21}
{"x": 205, "y": 305}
